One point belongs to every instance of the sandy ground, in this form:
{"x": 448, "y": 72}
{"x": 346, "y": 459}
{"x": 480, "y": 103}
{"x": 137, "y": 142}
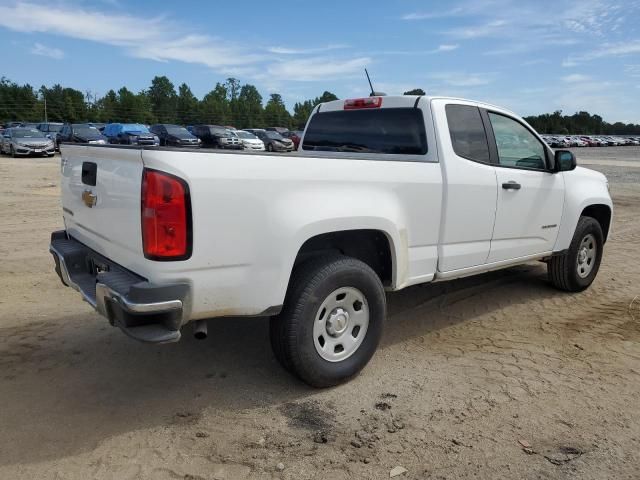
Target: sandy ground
{"x": 469, "y": 374}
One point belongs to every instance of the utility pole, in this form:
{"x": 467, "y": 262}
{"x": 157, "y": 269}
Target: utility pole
{"x": 44, "y": 95}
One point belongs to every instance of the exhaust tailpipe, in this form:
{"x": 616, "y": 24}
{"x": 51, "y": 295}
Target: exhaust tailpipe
{"x": 200, "y": 329}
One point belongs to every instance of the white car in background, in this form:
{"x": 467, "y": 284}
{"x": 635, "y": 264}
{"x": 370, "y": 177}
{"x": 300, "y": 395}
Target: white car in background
{"x": 250, "y": 141}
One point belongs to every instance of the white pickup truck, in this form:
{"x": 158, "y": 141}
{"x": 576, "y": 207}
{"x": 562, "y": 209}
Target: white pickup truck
{"x": 384, "y": 193}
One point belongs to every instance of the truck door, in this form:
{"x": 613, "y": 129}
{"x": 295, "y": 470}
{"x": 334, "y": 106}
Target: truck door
{"x": 470, "y": 186}
{"x": 530, "y": 197}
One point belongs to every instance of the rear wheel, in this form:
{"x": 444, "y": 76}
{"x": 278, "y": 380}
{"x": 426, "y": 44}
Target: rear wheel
{"x": 331, "y": 322}
{"x": 577, "y": 268}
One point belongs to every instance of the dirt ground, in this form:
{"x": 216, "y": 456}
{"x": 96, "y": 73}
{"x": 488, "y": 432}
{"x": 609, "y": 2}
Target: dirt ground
{"x": 497, "y": 376}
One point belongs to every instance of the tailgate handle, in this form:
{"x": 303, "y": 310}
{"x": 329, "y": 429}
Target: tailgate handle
{"x": 89, "y": 173}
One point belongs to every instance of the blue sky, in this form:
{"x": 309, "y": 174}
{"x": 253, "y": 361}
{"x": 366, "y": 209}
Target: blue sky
{"x": 530, "y": 56}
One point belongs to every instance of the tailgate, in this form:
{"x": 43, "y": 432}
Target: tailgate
{"x": 101, "y": 189}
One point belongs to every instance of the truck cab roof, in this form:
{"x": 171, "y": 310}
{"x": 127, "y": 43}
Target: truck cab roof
{"x": 400, "y": 101}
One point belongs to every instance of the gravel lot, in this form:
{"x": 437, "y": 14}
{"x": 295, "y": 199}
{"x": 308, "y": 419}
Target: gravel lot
{"x": 497, "y": 376}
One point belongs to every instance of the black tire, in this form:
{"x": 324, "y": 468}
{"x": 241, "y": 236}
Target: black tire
{"x": 291, "y": 332}
{"x": 269, "y": 147}
{"x": 563, "y": 269}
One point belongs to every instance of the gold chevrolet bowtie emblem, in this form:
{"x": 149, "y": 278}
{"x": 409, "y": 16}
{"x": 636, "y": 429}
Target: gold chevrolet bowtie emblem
{"x": 89, "y": 198}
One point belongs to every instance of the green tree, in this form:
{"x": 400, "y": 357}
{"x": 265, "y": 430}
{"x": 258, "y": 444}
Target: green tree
{"x": 302, "y": 112}
{"x": 325, "y": 97}
{"x": 415, "y": 91}
{"x": 250, "y": 111}
{"x": 187, "y": 110}
{"x": 163, "y": 98}
{"x": 214, "y": 108}
{"x": 275, "y": 112}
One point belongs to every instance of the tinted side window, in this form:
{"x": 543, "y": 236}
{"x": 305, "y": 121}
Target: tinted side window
{"x": 468, "y": 137}
{"x": 517, "y": 146}
{"x": 385, "y": 130}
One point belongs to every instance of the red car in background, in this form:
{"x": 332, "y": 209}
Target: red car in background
{"x": 295, "y": 136}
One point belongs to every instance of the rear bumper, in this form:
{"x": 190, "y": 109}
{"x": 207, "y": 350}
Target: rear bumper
{"x": 142, "y": 310}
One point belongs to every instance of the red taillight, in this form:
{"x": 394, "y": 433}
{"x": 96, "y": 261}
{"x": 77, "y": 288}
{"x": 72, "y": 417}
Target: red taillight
{"x": 369, "y": 102}
{"x": 166, "y": 217}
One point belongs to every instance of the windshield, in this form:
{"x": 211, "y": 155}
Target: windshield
{"x": 274, "y": 135}
{"x": 246, "y": 135}
{"x": 134, "y": 127}
{"x": 218, "y": 131}
{"x": 27, "y": 133}
{"x": 175, "y": 130}
{"x": 84, "y": 130}
{"x": 387, "y": 130}
{"x": 55, "y": 127}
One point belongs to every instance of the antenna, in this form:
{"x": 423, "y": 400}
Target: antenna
{"x": 373, "y": 92}
{"x": 370, "y": 84}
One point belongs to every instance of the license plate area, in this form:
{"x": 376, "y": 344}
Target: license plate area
{"x": 97, "y": 266}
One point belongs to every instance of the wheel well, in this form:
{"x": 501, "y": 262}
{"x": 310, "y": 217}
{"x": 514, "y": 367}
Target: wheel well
{"x": 369, "y": 246}
{"x": 602, "y": 213}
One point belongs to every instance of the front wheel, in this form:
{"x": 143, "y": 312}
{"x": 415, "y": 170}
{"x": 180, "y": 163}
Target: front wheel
{"x": 576, "y": 269}
{"x": 331, "y": 322}
{"x": 269, "y": 147}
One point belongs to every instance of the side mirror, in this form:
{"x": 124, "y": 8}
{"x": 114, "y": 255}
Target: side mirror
{"x": 565, "y": 161}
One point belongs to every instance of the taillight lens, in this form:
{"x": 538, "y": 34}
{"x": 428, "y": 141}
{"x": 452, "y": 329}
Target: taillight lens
{"x": 166, "y": 216}
{"x": 368, "y": 102}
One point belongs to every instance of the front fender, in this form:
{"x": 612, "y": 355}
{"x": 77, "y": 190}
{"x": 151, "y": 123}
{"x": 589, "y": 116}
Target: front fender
{"x": 583, "y": 188}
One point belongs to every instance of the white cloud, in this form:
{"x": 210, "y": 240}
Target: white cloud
{"x": 317, "y": 68}
{"x": 304, "y": 51}
{"x": 446, "y": 48}
{"x": 576, "y": 78}
{"x": 609, "y": 50}
{"x": 438, "y": 49}
{"x": 157, "y": 38}
{"x": 151, "y": 38}
{"x": 489, "y": 29}
{"x": 51, "y": 52}
{"x": 461, "y": 79}
{"x": 430, "y": 15}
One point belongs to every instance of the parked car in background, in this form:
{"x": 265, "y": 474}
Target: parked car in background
{"x": 250, "y": 141}
{"x": 557, "y": 142}
{"x": 26, "y": 141}
{"x": 175, "y": 136}
{"x": 12, "y": 124}
{"x": 99, "y": 126}
{"x": 216, "y": 136}
{"x": 280, "y": 130}
{"x": 80, "y": 133}
{"x": 591, "y": 142}
{"x": 273, "y": 141}
{"x": 51, "y": 130}
{"x": 130, "y": 134}
{"x": 294, "y": 136}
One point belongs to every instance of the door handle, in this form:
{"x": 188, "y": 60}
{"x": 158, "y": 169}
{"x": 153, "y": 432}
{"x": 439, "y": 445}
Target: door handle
{"x": 511, "y": 185}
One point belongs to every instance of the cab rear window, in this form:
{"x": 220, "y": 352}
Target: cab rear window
{"x": 386, "y": 130}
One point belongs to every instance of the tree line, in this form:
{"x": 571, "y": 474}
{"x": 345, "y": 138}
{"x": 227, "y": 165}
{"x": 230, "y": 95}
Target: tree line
{"x": 229, "y": 103}
{"x": 580, "y": 123}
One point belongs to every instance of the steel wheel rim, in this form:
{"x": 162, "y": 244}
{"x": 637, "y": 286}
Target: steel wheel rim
{"x": 587, "y": 252}
{"x": 341, "y": 324}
